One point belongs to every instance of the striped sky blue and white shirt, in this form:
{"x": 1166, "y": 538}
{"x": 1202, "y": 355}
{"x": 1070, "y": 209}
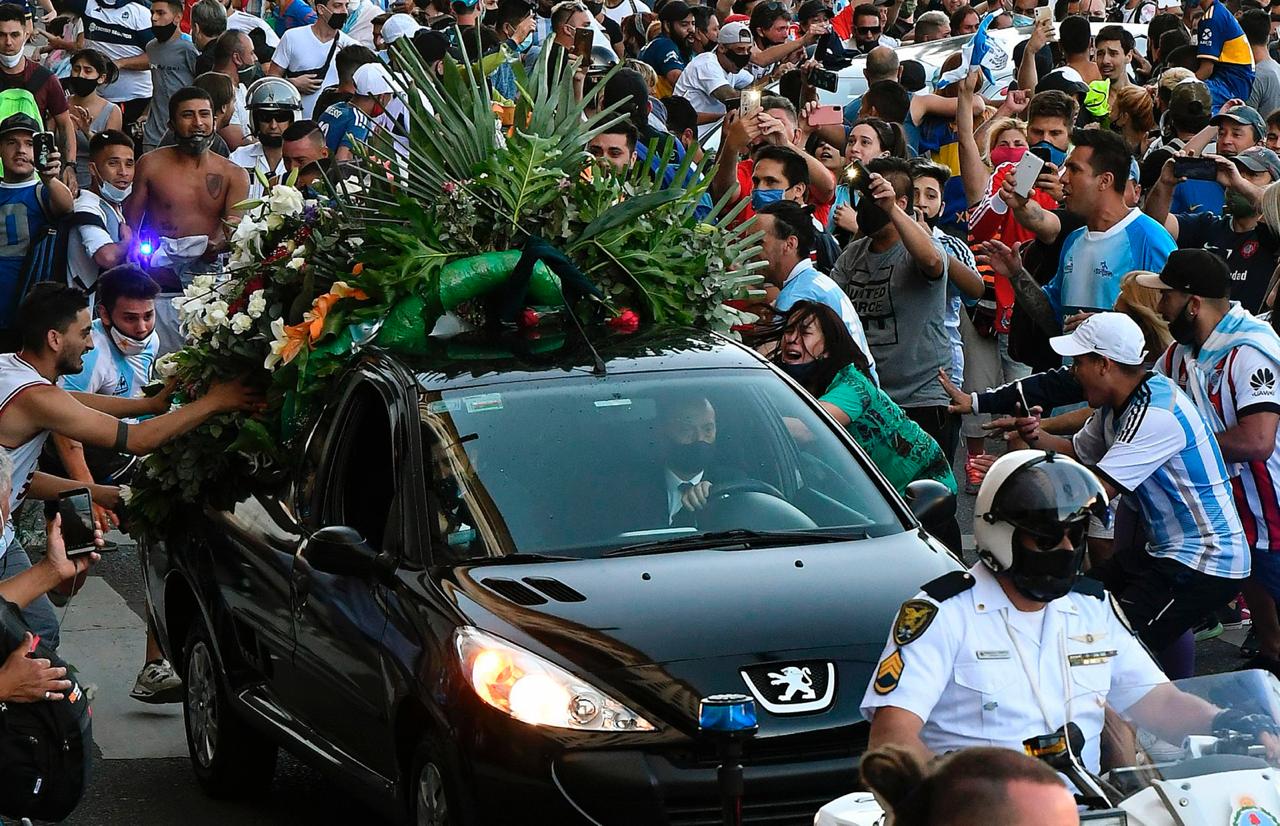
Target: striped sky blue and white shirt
{"x": 1159, "y": 447}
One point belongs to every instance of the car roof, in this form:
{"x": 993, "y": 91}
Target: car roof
{"x": 481, "y": 358}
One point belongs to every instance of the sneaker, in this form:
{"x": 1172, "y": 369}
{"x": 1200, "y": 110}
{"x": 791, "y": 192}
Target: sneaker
{"x": 1249, "y": 648}
{"x": 976, "y": 466}
{"x": 1208, "y": 630}
{"x": 157, "y": 683}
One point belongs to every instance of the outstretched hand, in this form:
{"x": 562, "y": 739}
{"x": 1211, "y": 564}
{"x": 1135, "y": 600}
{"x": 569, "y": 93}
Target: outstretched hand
{"x": 961, "y": 402}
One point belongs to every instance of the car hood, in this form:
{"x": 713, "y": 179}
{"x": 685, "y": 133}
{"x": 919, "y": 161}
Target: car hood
{"x": 624, "y": 612}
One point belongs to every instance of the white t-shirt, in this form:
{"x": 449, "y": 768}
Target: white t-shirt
{"x": 87, "y": 239}
{"x": 242, "y": 21}
{"x": 119, "y": 32}
{"x": 300, "y": 50}
{"x": 702, "y": 76}
{"x": 240, "y": 111}
{"x": 623, "y": 10}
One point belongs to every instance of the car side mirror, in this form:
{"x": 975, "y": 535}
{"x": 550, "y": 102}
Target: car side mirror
{"x": 931, "y": 502}
{"x": 341, "y": 551}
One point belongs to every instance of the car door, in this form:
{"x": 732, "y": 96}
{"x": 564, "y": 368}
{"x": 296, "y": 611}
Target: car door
{"x": 338, "y": 689}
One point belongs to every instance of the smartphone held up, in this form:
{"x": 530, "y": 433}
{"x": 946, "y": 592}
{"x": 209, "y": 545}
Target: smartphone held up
{"x": 76, "y": 509}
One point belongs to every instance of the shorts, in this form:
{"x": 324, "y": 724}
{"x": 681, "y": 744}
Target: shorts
{"x": 1266, "y": 571}
{"x": 987, "y": 364}
{"x": 1161, "y": 597}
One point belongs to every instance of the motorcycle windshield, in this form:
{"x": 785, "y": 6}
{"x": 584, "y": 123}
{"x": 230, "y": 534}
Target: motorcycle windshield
{"x": 1182, "y": 729}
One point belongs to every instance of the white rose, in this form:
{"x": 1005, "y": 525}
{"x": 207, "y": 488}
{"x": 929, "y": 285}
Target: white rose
{"x": 274, "y": 222}
{"x": 166, "y": 366}
{"x": 216, "y": 314}
{"x": 257, "y": 303}
{"x": 285, "y": 200}
{"x": 296, "y": 263}
{"x": 241, "y": 324}
{"x": 202, "y": 282}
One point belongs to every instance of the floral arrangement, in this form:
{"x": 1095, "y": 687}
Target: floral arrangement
{"x": 436, "y": 225}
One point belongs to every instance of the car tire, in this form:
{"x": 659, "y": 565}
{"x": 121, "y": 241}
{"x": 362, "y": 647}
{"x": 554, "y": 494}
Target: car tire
{"x": 229, "y": 758}
{"x": 435, "y": 794}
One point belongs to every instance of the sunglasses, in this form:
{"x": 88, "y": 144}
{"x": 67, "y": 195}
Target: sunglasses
{"x": 274, "y": 117}
{"x": 1073, "y": 531}
{"x": 868, "y": 30}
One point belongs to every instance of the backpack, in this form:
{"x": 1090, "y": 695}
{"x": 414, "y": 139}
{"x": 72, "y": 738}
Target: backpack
{"x": 45, "y": 747}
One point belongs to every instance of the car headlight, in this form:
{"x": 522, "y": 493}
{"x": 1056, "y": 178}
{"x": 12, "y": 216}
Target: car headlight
{"x": 537, "y": 692}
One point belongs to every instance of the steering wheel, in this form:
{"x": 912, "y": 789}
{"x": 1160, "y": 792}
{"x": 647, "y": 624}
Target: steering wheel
{"x": 744, "y": 486}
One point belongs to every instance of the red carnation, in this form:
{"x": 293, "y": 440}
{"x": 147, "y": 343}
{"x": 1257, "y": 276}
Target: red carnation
{"x": 625, "y": 322}
{"x": 529, "y": 318}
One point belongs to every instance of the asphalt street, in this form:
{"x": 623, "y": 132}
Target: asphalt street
{"x": 143, "y": 776}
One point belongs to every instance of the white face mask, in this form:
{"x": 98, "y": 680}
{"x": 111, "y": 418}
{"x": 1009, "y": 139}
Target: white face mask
{"x": 131, "y": 346}
{"x": 11, "y": 60}
{"x": 113, "y": 193}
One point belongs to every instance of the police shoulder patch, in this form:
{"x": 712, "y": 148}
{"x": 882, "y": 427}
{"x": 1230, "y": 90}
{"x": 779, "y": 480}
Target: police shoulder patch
{"x": 948, "y": 585}
{"x": 1090, "y": 587}
{"x": 889, "y": 672}
{"x": 914, "y": 617}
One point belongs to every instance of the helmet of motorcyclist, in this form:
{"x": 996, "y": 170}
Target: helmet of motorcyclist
{"x": 1029, "y": 502}
{"x": 273, "y": 93}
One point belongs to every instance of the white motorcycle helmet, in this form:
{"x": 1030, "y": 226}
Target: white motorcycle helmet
{"x": 1028, "y": 501}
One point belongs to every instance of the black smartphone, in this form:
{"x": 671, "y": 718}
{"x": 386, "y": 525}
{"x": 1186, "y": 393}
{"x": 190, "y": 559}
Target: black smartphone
{"x": 1042, "y": 152}
{"x": 822, "y": 79}
{"x": 43, "y": 146}
{"x": 857, "y": 177}
{"x": 582, "y": 41}
{"x": 1196, "y": 169}
{"x": 76, "y": 509}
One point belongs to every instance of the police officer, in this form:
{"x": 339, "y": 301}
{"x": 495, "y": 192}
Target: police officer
{"x": 273, "y": 104}
{"x": 1018, "y": 646}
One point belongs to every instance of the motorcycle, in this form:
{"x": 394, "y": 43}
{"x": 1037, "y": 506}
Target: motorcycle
{"x": 1225, "y": 775}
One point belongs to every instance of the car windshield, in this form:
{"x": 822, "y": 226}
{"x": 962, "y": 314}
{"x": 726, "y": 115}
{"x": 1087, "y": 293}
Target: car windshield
{"x": 639, "y": 463}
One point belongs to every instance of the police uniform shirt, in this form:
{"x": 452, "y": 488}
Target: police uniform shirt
{"x": 957, "y": 664}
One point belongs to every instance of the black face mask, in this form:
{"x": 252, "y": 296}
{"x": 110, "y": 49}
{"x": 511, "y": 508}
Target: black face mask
{"x": 800, "y": 372}
{"x": 163, "y": 33}
{"x": 248, "y": 74}
{"x": 691, "y": 458}
{"x": 195, "y": 144}
{"x": 337, "y": 21}
{"x": 271, "y": 141}
{"x": 1045, "y": 575}
{"x": 1183, "y": 327}
{"x": 79, "y": 86}
{"x": 871, "y": 218}
{"x": 738, "y": 61}
{"x": 595, "y": 8}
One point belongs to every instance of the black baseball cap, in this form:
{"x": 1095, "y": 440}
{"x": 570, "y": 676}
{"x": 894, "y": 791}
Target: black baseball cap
{"x": 1195, "y": 271}
{"x": 19, "y": 122}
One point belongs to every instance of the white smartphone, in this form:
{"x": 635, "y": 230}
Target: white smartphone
{"x": 1025, "y": 174}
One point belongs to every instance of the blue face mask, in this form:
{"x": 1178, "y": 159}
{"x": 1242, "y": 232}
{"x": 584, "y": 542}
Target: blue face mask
{"x": 526, "y": 44}
{"x": 113, "y": 193}
{"x": 1056, "y": 155}
{"x": 763, "y": 197}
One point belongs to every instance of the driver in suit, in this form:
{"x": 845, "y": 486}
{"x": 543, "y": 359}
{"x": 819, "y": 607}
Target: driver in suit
{"x": 688, "y": 440}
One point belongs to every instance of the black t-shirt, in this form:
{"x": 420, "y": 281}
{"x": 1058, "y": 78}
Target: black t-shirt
{"x": 1251, "y": 256}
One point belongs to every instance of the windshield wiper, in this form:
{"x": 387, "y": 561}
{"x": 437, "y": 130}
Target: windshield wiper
{"x": 518, "y": 558}
{"x": 742, "y": 536}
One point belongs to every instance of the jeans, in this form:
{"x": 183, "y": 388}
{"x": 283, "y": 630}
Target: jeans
{"x": 40, "y": 616}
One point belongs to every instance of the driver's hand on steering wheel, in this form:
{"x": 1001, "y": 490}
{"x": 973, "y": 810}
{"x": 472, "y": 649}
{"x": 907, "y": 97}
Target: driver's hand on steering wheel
{"x": 695, "y": 498}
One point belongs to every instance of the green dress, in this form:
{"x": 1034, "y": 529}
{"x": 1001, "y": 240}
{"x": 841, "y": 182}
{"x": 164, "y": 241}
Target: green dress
{"x": 897, "y": 445}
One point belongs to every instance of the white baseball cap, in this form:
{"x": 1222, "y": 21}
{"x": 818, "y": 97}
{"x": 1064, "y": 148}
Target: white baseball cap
{"x": 373, "y": 79}
{"x": 731, "y": 33}
{"x": 398, "y": 26}
{"x": 1168, "y": 4}
{"x": 1112, "y": 335}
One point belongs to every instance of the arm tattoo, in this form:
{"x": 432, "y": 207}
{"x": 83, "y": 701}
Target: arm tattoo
{"x": 1032, "y": 300}
{"x": 214, "y": 184}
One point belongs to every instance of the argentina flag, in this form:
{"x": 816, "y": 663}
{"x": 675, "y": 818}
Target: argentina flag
{"x": 982, "y": 52}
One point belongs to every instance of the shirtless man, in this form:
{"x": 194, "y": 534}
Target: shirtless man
{"x": 184, "y": 197}
{"x": 56, "y": 332}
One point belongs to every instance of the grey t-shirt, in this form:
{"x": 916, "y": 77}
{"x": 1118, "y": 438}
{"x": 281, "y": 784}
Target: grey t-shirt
{"x": 173, "y": 65}
{"x": 1265, "y": 94}
{"x": 904, "y": 314}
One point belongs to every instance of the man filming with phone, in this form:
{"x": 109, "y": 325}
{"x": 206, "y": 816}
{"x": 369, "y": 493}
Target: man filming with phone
{"x": 56, "y": 332}
{"x": 31, "y": 198}
{"x": 1251, "y": 249}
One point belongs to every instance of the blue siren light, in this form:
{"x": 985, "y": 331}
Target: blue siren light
{"x": 727, "y": 713}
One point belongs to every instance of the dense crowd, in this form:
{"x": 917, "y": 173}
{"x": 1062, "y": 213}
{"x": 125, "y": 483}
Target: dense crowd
{"x": 1065, "y": 231}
